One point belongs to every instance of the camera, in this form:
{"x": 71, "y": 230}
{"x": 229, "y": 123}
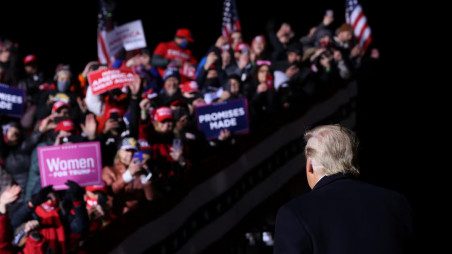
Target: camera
{"x": 327, "y": 53}
{"x": 138, "y": 156}
{"x": 59, "y": 119}
{"x": 71, "y": 139}
{"x": 94, "y": 67}
{"x": 64, "y": 140}
{"x": 114, "y": 116}
{"x": 177, "y": 144}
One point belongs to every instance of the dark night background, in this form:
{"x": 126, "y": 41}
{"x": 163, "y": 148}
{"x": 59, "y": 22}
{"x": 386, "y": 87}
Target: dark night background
{"x": 391, "y": 156}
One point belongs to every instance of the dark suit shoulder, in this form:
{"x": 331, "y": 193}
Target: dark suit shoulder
{"x": 344, "y": 215}
{"x": 348, "y": 192}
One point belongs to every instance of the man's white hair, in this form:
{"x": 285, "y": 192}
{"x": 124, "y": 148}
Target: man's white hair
{"x": 332, "y": 149}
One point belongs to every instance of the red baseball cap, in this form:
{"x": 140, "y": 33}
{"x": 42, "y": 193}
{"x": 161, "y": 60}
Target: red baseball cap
{"x": 149, "y": 94}
{"x": 94, "y": 188}
{"x": 184, "y": 33}
{"x": 162, "y": 114}
{"x": 242, "y": 48}
{"x": 30, "y": 59}
{"x": 65, "y": 125}
{"x": 189, "y": 87}
{"x": 58, "y": 105}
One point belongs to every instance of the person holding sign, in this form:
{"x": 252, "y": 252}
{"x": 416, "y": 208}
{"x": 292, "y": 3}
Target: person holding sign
{"x": 232, "y": 89}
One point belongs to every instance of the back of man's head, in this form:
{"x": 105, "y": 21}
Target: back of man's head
{"x": 332, "y": 149}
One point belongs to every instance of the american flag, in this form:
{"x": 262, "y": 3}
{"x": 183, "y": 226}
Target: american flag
{"x": 231, "y": 22}
{"x": 354, "y": 16}
{"x": 103, "y": 26}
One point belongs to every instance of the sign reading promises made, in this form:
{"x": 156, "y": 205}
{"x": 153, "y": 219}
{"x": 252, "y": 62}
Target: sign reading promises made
{"x": 12, "y": 101}
{"x": 231, "y": 115}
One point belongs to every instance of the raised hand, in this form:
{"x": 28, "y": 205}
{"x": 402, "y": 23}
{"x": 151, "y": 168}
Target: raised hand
{"x": 211, "y": 58}
{"x": 41, "y": 196}
{"x": 8, "y": 196}
{"x": 111, "y": 125}
{"x": 135, "y": 85}
{"x": 30, "y": 225}
{"x": 47, "y": 124}
{"x": 90, "y": 126}
{"x": 224, "y": 134}
{"x": 75, "y": 191}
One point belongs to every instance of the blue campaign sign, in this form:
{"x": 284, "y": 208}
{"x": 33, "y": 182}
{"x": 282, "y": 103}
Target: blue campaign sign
{"x": 12, "y": 101}
{"x": 231, "y": 115}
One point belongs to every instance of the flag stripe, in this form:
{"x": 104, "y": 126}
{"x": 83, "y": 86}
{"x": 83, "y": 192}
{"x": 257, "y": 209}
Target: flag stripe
{"x": 231, "y": 22}
{"x": 104, "y": 56}
{"x": 356, "y": 12}
{"x": 367, "y": 43}
{"x": 354, "y": 15}
{"x": 359, "y": 29}
{"x": 103, "y": 26}
{"x": 356, "y": 20}
{"x": 365, "y": 36}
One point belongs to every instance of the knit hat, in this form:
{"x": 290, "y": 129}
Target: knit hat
{"x": 128, "y": 143}
{"x": 171, "y": 72}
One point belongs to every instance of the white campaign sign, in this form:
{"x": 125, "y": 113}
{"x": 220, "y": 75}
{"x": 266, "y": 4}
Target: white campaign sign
{"x": 133, "y": 35}
{"x": 130, "y": 36}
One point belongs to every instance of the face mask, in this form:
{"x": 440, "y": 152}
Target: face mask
{"x": 212, "y": 82}
{"x": 90, "y": 202}
{"x": 63, "y": 85}
{"x": 183, "y": 44}
{"x": 50, "y": 205}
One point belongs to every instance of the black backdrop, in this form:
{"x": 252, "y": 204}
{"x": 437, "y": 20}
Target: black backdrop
{"x": 65, "y": 31}
{"x": 391, "y": 156}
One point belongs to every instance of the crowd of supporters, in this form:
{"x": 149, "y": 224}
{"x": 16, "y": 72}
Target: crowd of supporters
{"x": 147, "y": 130}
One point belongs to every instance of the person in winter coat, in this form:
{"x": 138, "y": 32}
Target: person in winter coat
{"x": 176, "y": 54}
{"x": 124, "y": 178}
{"x": 63, "y": 222}
{"x": 16, "y": 150}
{"x": 34, "y": 242}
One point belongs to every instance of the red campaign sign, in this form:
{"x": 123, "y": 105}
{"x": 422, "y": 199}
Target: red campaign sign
{"x": 108, "y": 79}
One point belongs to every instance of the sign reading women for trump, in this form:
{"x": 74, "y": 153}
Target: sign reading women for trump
{"x": 11, "y": 101}
{"x": 79, "y": 162}
{"x": 231, "y": 115}
{"x": 108, "y": 79}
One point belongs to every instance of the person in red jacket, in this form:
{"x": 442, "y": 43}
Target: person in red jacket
{"x": 8, "y": 196}
{"x": 34, "y": 243}
{"x": 51, "y": 225}
{"x": 176, "y": 54}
